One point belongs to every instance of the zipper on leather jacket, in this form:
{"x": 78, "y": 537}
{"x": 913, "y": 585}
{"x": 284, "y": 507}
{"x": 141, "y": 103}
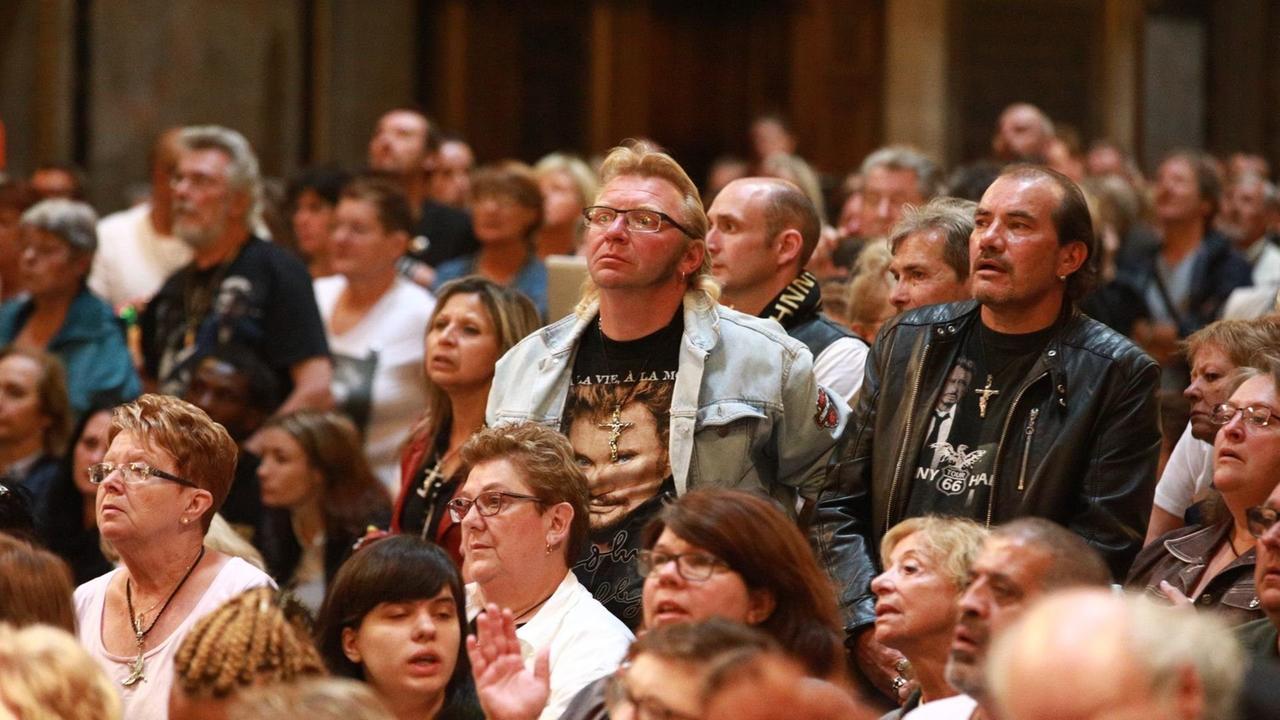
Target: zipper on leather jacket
{"x": 1026, "y": 448}
{"x": 906, "y": 438}
{"x": 1004, "y": 432}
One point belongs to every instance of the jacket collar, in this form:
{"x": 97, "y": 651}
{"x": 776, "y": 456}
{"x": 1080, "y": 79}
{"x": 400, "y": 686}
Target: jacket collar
{"x": 951, "y": 321}
{"x": 1197, "y": 547}
{"x": 701, "y": 325}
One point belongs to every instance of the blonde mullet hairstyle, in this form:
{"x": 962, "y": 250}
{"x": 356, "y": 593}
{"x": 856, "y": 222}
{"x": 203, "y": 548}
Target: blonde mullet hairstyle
{"x": 44, "y": 673}
{"x": 643, "y": 159}
{"x": 250, "y": 640}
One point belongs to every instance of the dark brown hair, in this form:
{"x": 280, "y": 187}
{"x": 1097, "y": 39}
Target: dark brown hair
{"x": 400, "y": 568}
{"x": 51, "y": 390}
{"x": 1071, "y": 221}
{"x": 765, "y": 547}
{"x": 387, "y": 199}
{"x": 352, "y": 494}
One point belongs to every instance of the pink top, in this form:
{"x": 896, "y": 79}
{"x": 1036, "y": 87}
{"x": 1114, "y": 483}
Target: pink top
{"x": 150, "y": 697}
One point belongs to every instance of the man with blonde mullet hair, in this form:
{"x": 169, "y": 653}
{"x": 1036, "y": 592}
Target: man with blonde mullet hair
{"x": 745, "y": 409}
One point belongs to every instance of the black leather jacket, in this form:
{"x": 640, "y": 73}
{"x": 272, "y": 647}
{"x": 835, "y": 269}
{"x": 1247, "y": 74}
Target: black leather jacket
{"x": 1079, "y": 445}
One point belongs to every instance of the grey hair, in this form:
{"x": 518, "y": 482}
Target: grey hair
{"x": 242, "y": 172}
{"x": 1164, "y": 642}
{"x": 903, "y": 157}
{"x": 952, "y": 216}
{"x": 74, "y": 222}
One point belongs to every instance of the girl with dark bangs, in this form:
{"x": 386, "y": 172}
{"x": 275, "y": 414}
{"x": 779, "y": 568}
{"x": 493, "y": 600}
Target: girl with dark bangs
{"x": 395, "y": 618}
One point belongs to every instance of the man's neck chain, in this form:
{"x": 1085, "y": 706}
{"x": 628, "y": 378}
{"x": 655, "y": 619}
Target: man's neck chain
{"x": 615, "y": 425}
{"x": 138, "y": 666}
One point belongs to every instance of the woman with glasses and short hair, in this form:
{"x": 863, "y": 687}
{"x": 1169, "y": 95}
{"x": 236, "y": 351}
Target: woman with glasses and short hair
{"x": 1211, "y": 565}
{"x": 523, "y": 511}
{"x": 716, "y": 553}
{"x": 166, "y": 471}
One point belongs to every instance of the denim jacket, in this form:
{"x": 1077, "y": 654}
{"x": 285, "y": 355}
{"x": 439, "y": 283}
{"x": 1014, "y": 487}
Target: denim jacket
{"x": 746, "y": 411}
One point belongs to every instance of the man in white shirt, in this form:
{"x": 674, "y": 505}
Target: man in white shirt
{"x": 137, "y": 251}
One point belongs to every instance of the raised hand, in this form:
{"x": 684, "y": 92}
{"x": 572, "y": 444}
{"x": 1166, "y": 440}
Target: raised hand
{"x": 507, "y": 689}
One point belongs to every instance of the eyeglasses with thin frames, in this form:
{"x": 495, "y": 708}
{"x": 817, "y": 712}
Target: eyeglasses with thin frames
{"x": 487, "y": 504}
{"x": 640, "y": 220}
{"x": 1257, "y": 417}
{"x": 134, "y": 473}
{"x": 695, "y": 566}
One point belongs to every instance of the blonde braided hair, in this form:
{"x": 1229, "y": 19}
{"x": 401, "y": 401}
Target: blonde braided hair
{"x": 256, "y": 637}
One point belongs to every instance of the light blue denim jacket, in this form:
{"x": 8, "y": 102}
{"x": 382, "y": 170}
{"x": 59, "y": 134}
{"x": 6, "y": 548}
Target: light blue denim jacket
{"x": 744, "y": 410}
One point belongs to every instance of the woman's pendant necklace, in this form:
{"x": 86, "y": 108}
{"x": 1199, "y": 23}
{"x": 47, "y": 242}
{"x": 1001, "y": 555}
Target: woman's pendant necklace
{"x": 137, "y": 666}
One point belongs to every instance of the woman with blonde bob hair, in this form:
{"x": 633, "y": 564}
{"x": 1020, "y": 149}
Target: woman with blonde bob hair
{"x": 167, "y": 469}
{"x": 568, "y": 185}
{"x": 44, "y": 673}
{"x": 926, "y": 561}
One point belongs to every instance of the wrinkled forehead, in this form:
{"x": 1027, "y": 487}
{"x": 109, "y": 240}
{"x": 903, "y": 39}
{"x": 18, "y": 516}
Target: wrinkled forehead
{"x": 626, "y": 192}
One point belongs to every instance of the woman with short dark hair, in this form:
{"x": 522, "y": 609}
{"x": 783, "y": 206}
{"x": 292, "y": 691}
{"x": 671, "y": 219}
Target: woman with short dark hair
{"x": 373, "y": 318}
{"x": 395, "y": 617}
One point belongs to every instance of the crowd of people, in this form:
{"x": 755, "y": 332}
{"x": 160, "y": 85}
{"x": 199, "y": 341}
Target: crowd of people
{"x": 994, "y": 443}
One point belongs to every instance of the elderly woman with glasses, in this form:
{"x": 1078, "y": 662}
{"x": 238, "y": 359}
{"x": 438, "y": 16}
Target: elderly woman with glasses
{"x": 57, "y": 242}
{"x": 523, "y": 511}
{"x": 1211, "y": 565}
{"x": 166, "y": 471}
{"x": 714, "y": 553}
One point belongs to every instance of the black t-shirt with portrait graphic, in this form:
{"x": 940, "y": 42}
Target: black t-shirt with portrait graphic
{"x": 617, "y": 419}
{"x": 953, "y": 469}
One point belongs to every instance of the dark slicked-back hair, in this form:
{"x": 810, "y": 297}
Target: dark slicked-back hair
{"x": 787, "y": 207}
{"x": 1071, "y": 220}
{"x": 1073, "y": 562}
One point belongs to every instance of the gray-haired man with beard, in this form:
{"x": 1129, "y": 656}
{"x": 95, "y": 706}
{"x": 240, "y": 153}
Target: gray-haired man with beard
{"x": 238, "y": 289}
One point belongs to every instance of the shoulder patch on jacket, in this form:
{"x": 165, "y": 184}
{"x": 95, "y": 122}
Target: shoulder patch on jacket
{"x": 827, "y": 416}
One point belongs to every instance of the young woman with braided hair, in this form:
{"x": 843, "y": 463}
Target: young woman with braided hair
{"x": 256, "y": 638}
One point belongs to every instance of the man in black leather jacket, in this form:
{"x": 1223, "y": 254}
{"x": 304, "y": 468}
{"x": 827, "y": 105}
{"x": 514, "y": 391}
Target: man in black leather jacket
{"x": 1059, "y": 421}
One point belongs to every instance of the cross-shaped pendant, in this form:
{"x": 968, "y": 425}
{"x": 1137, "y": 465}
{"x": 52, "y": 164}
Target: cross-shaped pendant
{"x": 615, "y": 426}
{"x": 985, "y": 395}
{"x": 430, "y": 478}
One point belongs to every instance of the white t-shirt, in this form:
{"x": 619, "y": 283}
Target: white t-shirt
{"x": 133, "y": 260}
{"x": 587, "y": 642}
{"x": 378, "y": 365}
{"x": 956, "y": 707}
{"x": 150, "y": 698}
{"x": 1187, "y": 476}
{"x": 840, "y": 367}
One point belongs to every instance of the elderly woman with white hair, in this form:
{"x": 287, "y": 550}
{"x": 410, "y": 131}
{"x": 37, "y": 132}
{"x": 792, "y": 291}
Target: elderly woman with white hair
{"x": 59, "y": 314}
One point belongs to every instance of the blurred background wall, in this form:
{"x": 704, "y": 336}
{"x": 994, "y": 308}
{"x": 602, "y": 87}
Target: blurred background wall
{"x": 93, "y": 81}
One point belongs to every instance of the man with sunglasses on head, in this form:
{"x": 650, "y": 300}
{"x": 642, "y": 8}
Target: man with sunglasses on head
{"x": 745, "y": 409}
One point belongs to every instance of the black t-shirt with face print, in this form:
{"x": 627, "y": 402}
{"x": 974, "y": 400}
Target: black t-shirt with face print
{"x": 953, "y": 469}
{"x": 617, "y": 419}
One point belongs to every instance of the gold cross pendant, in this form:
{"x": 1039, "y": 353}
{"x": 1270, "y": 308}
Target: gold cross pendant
{"x": 985, "y": 395}
{"x": 615, "y": 426}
